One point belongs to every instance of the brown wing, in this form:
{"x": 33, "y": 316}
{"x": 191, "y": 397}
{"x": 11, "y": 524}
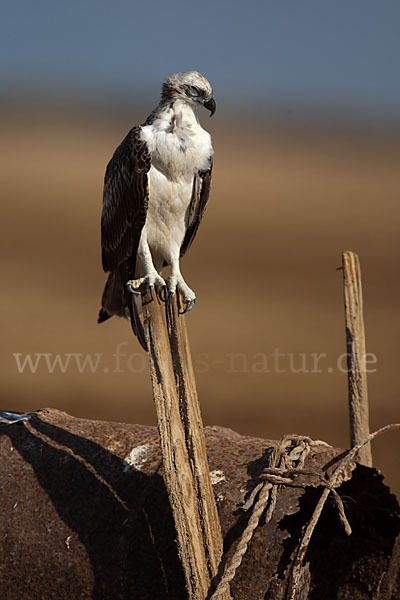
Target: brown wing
{"x": 125, "y": 202}
{"x": 200, "y": 195}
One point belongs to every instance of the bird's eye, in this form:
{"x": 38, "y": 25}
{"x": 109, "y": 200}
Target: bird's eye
{"x": 192, "y": 90}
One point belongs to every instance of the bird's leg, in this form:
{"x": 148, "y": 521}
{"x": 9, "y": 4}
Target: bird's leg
{"x": 175, "y": 282}
{"x": 151, "y": 278}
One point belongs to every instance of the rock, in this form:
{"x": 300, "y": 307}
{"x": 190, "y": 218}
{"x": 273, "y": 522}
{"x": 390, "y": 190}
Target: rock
{"x": 85, "y": 514}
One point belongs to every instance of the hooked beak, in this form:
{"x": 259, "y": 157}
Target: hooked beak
{"x": 211, "y": 106}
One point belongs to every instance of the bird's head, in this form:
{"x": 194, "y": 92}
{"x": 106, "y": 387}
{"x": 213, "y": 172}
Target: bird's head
{"x": 191, "y": 87}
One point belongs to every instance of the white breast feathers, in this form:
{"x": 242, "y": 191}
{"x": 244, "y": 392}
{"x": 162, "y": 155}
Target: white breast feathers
{"x": 179, "y": 146}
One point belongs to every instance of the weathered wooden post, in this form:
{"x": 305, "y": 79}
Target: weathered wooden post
{"x": 356, "y": 367}
{"x": 107, "y": 527}
{"x": 180, "y": 426}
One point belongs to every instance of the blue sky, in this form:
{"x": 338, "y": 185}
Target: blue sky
{"x": 326, "y": 53}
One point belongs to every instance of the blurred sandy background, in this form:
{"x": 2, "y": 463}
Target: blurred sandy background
{"x": 290, "y": 192}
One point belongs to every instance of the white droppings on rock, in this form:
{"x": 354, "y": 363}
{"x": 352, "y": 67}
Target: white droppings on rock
{"x": 137, "y": 457}
{"x": 67, "y": 542}
{"x": 217, "y": 476}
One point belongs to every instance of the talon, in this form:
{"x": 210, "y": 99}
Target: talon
{"x": 189, "y": 306}
{"x": 162, "y": 293}
{"x": 132, "y": 289}
{"x": 151, "y": 291}
{"x": 141, "y": 285}
{"x": 170, "y": 296}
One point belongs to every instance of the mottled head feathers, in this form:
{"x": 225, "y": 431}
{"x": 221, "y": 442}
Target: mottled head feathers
{"x": 190, "y": 85}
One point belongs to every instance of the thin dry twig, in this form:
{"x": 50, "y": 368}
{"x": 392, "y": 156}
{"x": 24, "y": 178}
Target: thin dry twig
{"x": 290, "y": 453}
{"x": 334, "y": 481}
{"x": 286, "y": 467}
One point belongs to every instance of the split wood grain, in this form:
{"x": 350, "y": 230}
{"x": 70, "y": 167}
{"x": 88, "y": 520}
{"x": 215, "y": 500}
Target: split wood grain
{"x": 186, "y": 471}
{"x": 356, "y": 355}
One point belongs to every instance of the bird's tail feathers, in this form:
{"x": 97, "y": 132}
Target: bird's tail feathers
{"x": 113, "y": 299}
{"x": 117, "y": 300}
{"x": 103, "y": 316}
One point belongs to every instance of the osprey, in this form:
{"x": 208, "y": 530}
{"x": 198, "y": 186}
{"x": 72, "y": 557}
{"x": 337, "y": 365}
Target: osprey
{"x": 156, "y": 188}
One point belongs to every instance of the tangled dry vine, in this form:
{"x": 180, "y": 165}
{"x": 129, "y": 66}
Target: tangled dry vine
{"x": 286, "y": 469}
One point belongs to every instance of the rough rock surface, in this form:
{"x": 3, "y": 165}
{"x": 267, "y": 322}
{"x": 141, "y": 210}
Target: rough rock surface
{"x": 85, "y": 514}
